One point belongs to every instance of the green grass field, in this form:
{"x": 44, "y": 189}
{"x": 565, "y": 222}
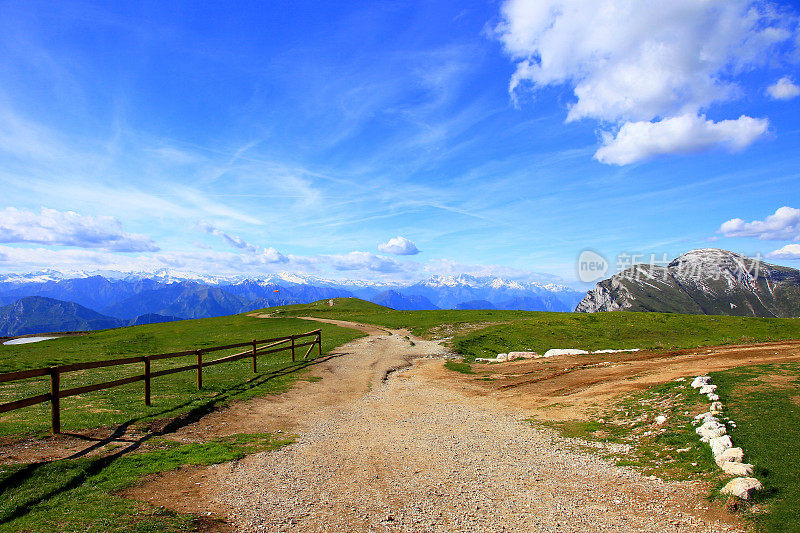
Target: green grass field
{"x": 172, "y": 395}
{"x": 486, "y": 333}
{"x": 764, "y": 401}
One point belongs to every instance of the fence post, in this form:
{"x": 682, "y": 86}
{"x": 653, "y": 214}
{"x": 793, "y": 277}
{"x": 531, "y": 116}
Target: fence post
{"x": 199, "y": 369}
{"x": 292, "y": 348}
{"x": 55, "y": 401}
{"x": 147, "y": 382}
{"x": 319, "y": 342}
{"x": 255, "y": 368}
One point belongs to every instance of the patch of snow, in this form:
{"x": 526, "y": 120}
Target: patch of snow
{"x": 564, "y": 351}
{"x": 27, "y": 340}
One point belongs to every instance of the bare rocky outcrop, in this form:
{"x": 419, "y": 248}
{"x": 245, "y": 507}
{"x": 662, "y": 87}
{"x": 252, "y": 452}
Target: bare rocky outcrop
{"x": 705, "y": 281}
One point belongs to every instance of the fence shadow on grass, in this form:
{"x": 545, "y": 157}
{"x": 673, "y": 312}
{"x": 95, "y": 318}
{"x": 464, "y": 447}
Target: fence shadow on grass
{"x": 179, "y": 421}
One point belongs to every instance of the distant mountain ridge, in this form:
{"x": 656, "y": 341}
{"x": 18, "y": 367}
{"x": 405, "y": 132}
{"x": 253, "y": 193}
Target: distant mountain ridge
{"x": 38, "y": 314}
{"x": 127, "y": 297}
{"x": 705, "y": 281}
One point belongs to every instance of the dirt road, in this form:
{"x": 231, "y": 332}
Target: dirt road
{"x": 381, "y": 449}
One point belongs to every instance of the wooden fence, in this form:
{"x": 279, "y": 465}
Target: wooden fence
{"x": 277, "y": 344}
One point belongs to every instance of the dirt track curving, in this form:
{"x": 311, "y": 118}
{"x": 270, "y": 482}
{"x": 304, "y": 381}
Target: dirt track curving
{"x": 426, "y": 449}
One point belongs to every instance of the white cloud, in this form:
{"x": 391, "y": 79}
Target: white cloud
{"x": 232, "y": 240}
{"x": 783, "y": 225}
{"x": 783, "y": 89}
{"x": 67, "y": 228}
{"x": 633, "y": 62}
{"x": 790, "y": 251}
{"x": 447, "y": 267}
{"x": 398, "y": 246}
{"x": 637, "y": 141}
{"x": 363, "y": 261}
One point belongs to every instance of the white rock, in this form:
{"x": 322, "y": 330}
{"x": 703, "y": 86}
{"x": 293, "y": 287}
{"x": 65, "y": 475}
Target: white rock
{"x": 711, "y": 429}
{"x": 731, "y": 455}
{"x": 742, "y": 487}
{"x": 720, "y": 444}
{"x": 660, "y": 419}
{"x": 699, "y": 381}
{"x": 705, "y": 389}
{"x": 706, "y": 416}
{"x": 737, "y": 469}
{"x": 680, "y": 379}
{"x": 616, "y": 351}
{"x": 563, "y": 351}
{"x": 523, "y": 355}
{"x": 713, "y": 397}
{"x": 485, "y": 360}
{"x": 501, "y": 357}
{"x": 716, "y": 407}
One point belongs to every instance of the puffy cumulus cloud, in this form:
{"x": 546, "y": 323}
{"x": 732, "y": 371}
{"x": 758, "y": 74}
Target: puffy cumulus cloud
{"x": 783, "y": 225}
{"x": 363, "y": 261}
{"x": 67, "y": 228}
{"x": 632, "y": 62}
{"x": 637, "y": 141}
{"x": 398, "y": 246}
{"x": 783, "y": 89}
{"x": 790, "y": 251}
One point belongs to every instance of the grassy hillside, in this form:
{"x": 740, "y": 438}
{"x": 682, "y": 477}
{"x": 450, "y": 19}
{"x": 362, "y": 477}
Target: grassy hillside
{"x": 172, "y": 395}
{"x": 479, "y": 333}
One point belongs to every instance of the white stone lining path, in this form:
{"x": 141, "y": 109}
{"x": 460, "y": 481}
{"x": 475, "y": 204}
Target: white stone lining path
{"x": 511, "y": 356}
{"x": 713, "y": 432}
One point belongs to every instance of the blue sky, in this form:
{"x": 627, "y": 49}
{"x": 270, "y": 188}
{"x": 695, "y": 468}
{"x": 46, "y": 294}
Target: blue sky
{"x": 483, "y": 137}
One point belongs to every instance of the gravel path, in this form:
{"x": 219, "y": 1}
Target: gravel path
{"x": 412, "y": 454}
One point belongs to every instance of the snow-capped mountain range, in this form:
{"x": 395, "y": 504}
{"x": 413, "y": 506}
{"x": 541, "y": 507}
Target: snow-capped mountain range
{"x": 127, "y": 296}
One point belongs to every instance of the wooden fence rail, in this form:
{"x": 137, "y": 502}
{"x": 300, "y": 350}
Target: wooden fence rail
{"x": 268, "y": 346}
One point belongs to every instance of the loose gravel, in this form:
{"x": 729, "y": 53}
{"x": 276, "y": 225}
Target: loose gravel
{"x": 415, "y": 455}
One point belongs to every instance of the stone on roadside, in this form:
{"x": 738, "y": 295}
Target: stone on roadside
{"x": 705, "y": 389}
{"x": 712, "y": 396}
{"x": 720, "y": 444}
{"x": 522, "y": 355}
{"x": 716, "y": 407}
{"x": 742, "y": 487}
{"x": 731, "y": 455}
{"x": 711, "y": 429}
{"x": 660, "y": 419}
{"x": 699, "y": 381}
{"x": 564, "y": 351}
{"x": 737, "y": 469}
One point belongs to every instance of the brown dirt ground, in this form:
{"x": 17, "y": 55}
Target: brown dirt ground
{"x": 572, "y": 387}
